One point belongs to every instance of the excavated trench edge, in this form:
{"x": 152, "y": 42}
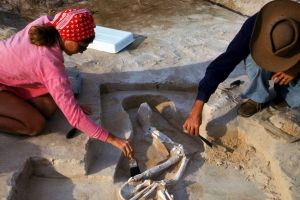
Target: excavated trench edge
{"x": 20, "y": 178}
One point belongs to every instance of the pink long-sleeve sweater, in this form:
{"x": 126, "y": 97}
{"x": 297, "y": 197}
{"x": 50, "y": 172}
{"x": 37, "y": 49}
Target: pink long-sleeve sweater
{"x": 30, "y": 70}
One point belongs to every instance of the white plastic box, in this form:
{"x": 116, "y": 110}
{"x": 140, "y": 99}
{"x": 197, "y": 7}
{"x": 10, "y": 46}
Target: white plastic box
{"x": 110, "y": 40}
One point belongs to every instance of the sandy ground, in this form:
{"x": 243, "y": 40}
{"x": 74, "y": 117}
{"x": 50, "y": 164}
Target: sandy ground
{"x": 175, "y": 41}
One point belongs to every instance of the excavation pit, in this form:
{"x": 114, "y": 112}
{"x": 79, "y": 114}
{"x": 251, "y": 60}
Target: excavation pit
{"x": 176, "y": 41}
{"x": 232, "y": 168}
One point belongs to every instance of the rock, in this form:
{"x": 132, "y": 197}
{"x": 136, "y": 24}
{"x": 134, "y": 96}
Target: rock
{"x": 7, "y": 32}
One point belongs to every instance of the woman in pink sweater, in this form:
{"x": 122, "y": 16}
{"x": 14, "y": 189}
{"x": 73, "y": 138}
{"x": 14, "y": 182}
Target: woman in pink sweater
{"x": 33, "y": 80}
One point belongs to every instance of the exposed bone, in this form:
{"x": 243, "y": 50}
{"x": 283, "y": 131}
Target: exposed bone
{"x": 144, "y": 116}
{"x": 139, "y": 186}
{"x": 156, "y": 169}
{"x": 130, "y": 189}
{"x": 164, "y": 195}
{"x": 159, "y": 135}
{"x": 147, "y": 194}
{"x": 180, "y": 171}
{"x": 142, "y": 185}
{"x": 145, "y": 190}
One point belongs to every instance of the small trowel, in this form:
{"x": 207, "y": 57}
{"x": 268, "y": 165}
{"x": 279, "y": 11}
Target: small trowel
{"x": 208, "y": 143}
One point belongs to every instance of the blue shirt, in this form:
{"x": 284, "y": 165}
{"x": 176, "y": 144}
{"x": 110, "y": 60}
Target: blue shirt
{"x": 219, "y": 69}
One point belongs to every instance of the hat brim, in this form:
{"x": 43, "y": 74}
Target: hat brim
{"x": 260, "y": 39}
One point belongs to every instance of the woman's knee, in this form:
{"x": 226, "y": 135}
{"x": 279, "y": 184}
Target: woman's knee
{"x": 49, "y": 108}
{"x": 18, "y": 116}
{"x": 45, "y": 104}
{"x": 34, "y": 126}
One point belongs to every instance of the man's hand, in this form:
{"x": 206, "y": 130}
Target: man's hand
{"x": 121, "y": 144}
{"x": 282, "y": 78}
{"x": 194, "y": 120}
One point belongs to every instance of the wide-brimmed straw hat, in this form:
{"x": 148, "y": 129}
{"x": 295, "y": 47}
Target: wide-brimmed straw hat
{"x": 275, "y": 41}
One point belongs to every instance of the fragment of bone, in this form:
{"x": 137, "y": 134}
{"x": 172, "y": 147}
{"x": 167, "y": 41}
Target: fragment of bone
{"x": 180, "y": 171}
{"x": 151, "y": 190}
{"x": 145, "y": 183}
{"x": 140, "y": 194}
{"x": 144, "y": 114}
{"x": 156, "y": 169}
{"x": 163, "y": 194}
{"x": 140, "y": 186}
{"x": 160, "y": 136}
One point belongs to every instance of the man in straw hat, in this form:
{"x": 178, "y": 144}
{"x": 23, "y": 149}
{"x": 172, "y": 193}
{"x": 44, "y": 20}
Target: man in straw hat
{"x": 269, "y": 43}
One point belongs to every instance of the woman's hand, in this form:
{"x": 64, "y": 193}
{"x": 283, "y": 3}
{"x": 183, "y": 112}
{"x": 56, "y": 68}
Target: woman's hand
{"x": 121, "y": 144}
{"x": 194, "y": 120}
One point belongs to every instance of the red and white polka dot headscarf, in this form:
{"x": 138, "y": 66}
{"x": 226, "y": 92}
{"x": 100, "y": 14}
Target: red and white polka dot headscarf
{"x": 74, "y": 24}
